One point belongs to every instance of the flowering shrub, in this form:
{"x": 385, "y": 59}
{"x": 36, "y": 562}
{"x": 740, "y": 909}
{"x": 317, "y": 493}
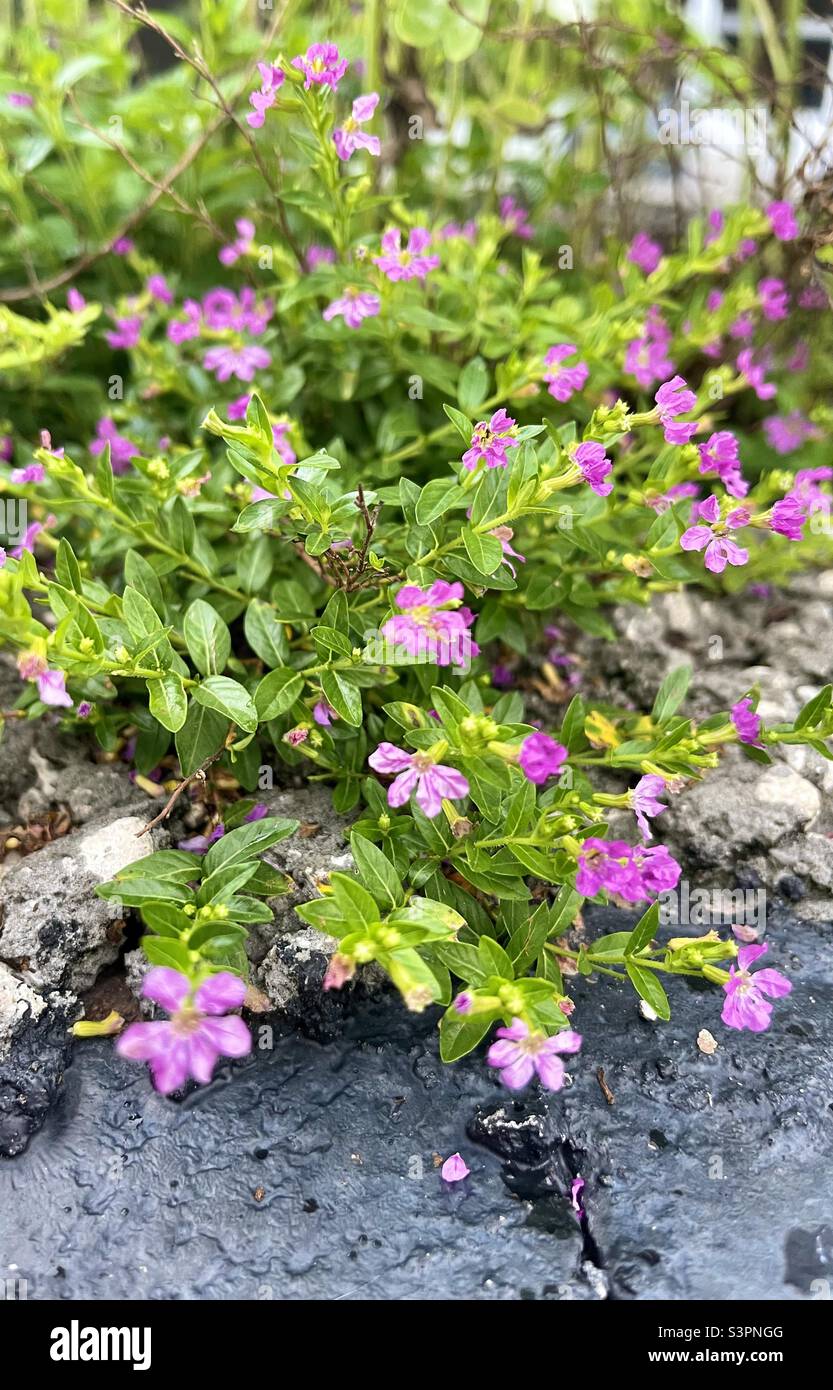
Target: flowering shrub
{"x": 326, "y": 489}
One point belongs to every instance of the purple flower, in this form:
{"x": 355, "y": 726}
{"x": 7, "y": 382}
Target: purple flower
{"x": 319, "y": 255}
{"x": 715, "y": 225}
{"x": 410, "y": 263}
{"x": 20, "y": 99}
{"x": 3, "y": 557}
{"x": 242, "y": 243}
{"x": 32, "y": 473}
{"x": 644, "y": 801}
{"x": 30, "y": 665}
{"x": 455, "y": 1169}
{"x": 674, "y": 398}
{"x": 520, "y": 1055}
{"x": 755, "y": 373}
{"x": 348, "y": 138}
{"x": 122, "y": 449}
{"x": 433, "y": 625}
{"x": 240, "y": 362}
{"x": 787, "y": 517}
{"x": 742, "y": 328}
{"x": 339, "y": 971}
{"x": 322, "y": 65}
{"x": 720, "y": 455}
{"x": 272, "y": 79}
{"x": 180, "y": 330}
{"x": 516, "y": 218}
{"x": 75, "y": 301}
{"x": 463, "y": 1003}
{"x": 646, "y": 358}
{"x": 631, "y": 873}
{"x": 198, "y": 1032}
{"x": 490, "y": 441}
{"x": 126, "y": 333}
{"x": 786, "y": 433}
{"x": 813, "y": 297}
{"x": 258, "y": 811}
{"x": 30, "y": 535}
{"x": 782, "y": 221}
{"x": 541, "y": 757}
{"x": 122, "y": 246}
{"x": 595, "y": 467}
{"x": 504, "y": 534}
{"x": 747, "y": 723}
{"x": 745, "y": 1005}
{"x": 417, "y": 772}
{"x": 222, "y": 309}
{"x": 563, "y": 382}
{"x": 645, "y": 253}
{"x": 6, "y": 448}
{"x": 746, "y": 248}
{"x": 198, "y": 844}
{"x": 667, "y": 499}
{"x": 157, "y": 288}
{"x": 775, "y": 301}
{"x": 713, "y": 536}
{"x": 323, "y": 713}
{"x": 84, "y": 710}
{"x": 576, "y": 1189}
{"x": 467, "y": 231}
{"x": 52, "y": 689}
{"x": 354, "y": 305}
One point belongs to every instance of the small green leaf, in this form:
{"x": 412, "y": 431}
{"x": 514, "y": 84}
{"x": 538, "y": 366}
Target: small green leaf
{"x": 207, "y": 638}
{"x": 649, "y": 988}
{"x": 168, "y": 701}
{"x": 230, "y": 698}
{"x": 277, "y": 692}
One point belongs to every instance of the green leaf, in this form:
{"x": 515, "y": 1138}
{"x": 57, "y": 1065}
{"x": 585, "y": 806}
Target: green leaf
{"x": 163, "y": 950}
{"x": 207, "y": 638}
{"x": 202, "y": 734}
{"x": 357, "y": 906}
{"x": 377, "y": 872}
{"x": 277, "y": 692}
{"x": 436, "y": 498}
{"x": 345, "y": 698}
{"x": 67, "y": 570}
{"x": 527, "y": 942}
{"x": 473, "y": 385}
{"x": 811, "y": 713}
{"x": 649, "y": 988}
{"x": 644, "y": 931}
{"x": 495, "y": 960}
{"x": 168, "y": 701}
{"x": 230, "y": 698}
{"x": 247, "y": 842}
{"x": 484, "y": 551}
{"x": 671, "y": 693}
{"x": 141, "y": 617}
{"x": 460, "y": 1033}
{"x": 265, "y": 635}
{"x": 142, "y": 576}
{"x": 461, "y": 422}
{"x": 564, "y": 910}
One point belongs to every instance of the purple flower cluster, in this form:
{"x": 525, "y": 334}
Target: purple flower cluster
{"x": 631, "y": 873}
{"x": 490, "y": 441}
{"x": 595, "y": 467}
{"x": 720, "y": 455}
{"x": 645, "y": 253}
{"x": 673, "y": 399}
{"x": 647, "y": 358}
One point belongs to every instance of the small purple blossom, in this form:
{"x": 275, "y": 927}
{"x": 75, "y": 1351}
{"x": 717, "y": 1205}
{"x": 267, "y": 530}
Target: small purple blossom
{"x": 787, "y": 517}
{"x": 126, "y": 333}
{"x": 786, "y": 433}
{"x": 595, "y": 467}
{"x": 463, "y": 1003}
{"x": 563, "y": 382}
{"x": 321, "y": 65}
{"x": 455, "y": 1169}
{"x": 432, "y": 625}
{"x": 630, "y": 872}
{"x": 646, "y": 358}
{"x": 20, "y": 99}
{"x": 122, "y": 449}
{"x": 84, "y": 710}
{"x": 720, "y": 455}
{"x": 354, "y": 305}
{"x": 775, "y": 301}
{"x": 199, "y": 1031}
{"x": 520, "y": 1055}
{"x": 674, "y": 398}
{"x": 241, "y": 362}
{"x": 410, "y": 263}
{"x": 181, "y": 330}
{"x": 644, "y": 801}
{"x": 319, "y": 255}
{"x": 32, "y": 473}
{"x": 644, "y": 253}
{"x": 122, "y": 246}
{"x": 541, "y": 758}
{"x": 348, "y": 138}
{"x": 157, "y": 288}
{"x": 747, "y": 723}
{"x": 52, "y": 689}
{"x": 242, "y": 244}
{"x": 416, "y": 772}
{"x": 745, "y": 1005}
{"x": 713, "y": 536}
{"x": 715, "y": 223}
{"x": 271, "y": 80}
{"x": 516, "y": 219}
{"x": 323, "y": 713}
{"x": 75, "y": 301}
{"x": 782, "y": 221}
{"x": 30, "y": 535}
{"x": 755, "y": 373}
{"x": 490, "y": 441}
